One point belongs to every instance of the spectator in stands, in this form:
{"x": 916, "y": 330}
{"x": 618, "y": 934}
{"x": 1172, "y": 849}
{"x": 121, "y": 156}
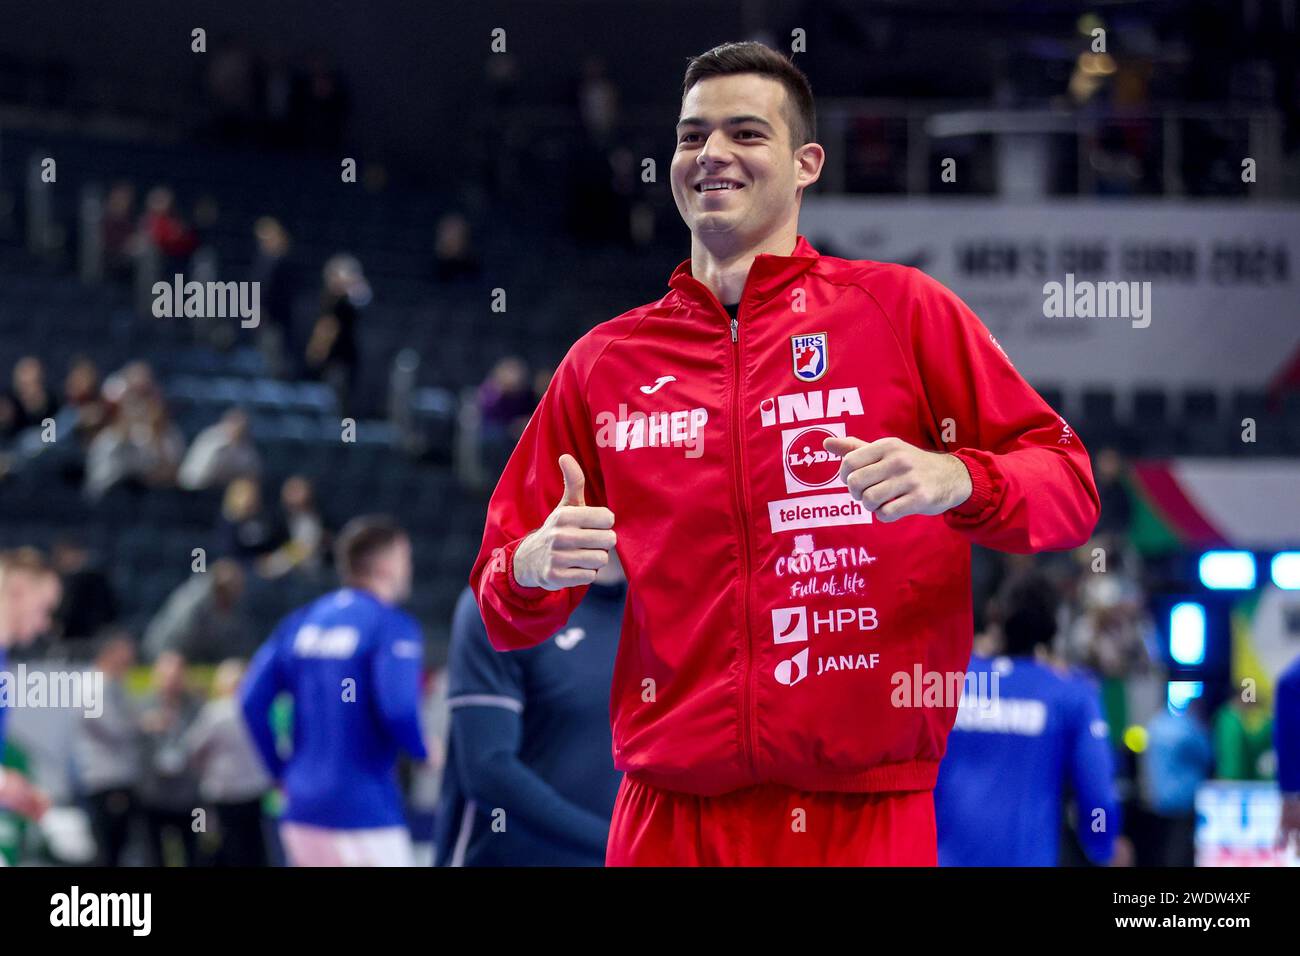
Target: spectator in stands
{"x": 1179, "y": 758}
{"x": 107, "y": 753}
{"x": 89, "y": 604}
{"x": 117, "y": 231}
{"x": 244, "y": 531}
{"x": 131, "y": 389}
{"x": 33, "y": 401}
{"x": 454, "y": 256}
{"x": 1116, "y": 506}
{"x": 162, "y": 230}
{"x": 203, "y": 618}
{"x": 332, "y": 351}
{"x": 505, "y": 401}
{"x": 303, "y": 531}
{"x": 169, "y": 789}
{"x": 232, "y": 778}
{"x": 84, "y": 410}
{"x": 278, "y": 284}
{"x": 140, "y": 445}
{"x": 221, "y": 453}
{"x": 8, "y": 422}
{"x": 322, "y": 104}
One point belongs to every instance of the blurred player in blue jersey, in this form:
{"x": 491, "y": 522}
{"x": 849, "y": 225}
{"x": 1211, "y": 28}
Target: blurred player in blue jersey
{"x": 530, "y": 777}
{"x": 1286, "y": 741}
{"x": 1001, "y": 785}
{"x": 29, "y": 592}
{"x": 352, "y": 662}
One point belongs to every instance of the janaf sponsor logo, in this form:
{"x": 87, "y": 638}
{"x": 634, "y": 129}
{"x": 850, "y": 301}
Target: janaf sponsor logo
{"x": 208, "y": 300}
{"x": 847, "y": 662}
{"x": 130, "y": 910}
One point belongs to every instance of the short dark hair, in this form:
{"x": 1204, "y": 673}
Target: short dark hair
{"x": 1027, "y": 607}
{"x": 749, "y": 57}
{"x": 360, "y": 540}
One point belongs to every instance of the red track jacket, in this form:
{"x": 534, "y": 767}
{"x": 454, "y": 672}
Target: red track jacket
{"x": 774, "y": 632}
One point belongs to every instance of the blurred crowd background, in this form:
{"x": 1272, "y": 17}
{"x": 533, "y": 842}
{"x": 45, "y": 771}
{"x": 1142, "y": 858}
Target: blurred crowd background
{"x": 411, "y": 318}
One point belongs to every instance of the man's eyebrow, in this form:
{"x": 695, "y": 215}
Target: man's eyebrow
{"x": 730, "y": 121}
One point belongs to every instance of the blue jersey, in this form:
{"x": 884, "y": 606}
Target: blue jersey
{"x": 530, "y": 774}
{"x": 352, "y": 665}
{"x": 1001, "y": 785}
{"x": 1286, "y": 729}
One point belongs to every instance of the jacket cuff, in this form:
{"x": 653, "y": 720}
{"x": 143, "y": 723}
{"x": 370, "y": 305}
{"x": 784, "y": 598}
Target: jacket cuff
{"x": 526, "y": 596}
{"x": 986, "y": 488}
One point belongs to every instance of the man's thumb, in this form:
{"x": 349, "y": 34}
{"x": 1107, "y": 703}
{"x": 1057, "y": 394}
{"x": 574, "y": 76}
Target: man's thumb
{"x": 842, "y": 446}
{"x": 574, "y": 482}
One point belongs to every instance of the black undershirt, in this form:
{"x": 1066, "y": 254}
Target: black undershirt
{"x": 732, "y": 309}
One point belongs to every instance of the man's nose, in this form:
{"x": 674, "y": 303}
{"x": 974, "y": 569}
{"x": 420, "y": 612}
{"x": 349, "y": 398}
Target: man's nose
{"x": 715, "y": 151}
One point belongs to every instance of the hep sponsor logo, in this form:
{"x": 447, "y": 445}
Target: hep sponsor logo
{"x": 807, "y": 465}
{"x": 810, "y": 406}
{"x": 628, "y": 431}
{"x": 809, "y": 355}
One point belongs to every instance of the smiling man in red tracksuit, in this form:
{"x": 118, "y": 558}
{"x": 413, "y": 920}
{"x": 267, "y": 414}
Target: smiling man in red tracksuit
{"x": 793, "y": 485}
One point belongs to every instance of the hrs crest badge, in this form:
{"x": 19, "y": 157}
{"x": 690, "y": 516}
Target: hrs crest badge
{"x": 809, "y": 355}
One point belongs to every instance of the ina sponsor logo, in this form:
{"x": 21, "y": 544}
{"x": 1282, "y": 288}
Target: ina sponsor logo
{"x": 208, "y": 300}
{"x": 810, "y": 406}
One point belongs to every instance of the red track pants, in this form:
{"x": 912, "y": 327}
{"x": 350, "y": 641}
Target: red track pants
{"x": 770, "y": 825}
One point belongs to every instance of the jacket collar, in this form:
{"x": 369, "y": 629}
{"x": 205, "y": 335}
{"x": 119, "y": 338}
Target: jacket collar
{"x": 767, "y": 275}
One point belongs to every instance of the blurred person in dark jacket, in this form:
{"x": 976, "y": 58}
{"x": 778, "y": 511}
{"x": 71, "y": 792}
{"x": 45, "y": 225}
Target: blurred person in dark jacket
{"x": 245, "y": 531}
{"x": 107, "y": 754}
{"x": 301, "y": 529}
{"x": 169, "y": 789}
{"x": 278, "y": 282}
{"x": 203, "y": 619}
{"x": 117, "y": 231}
{"x": 89, "y": 604}
{"x": 332, "y": 351}
{"x": 33, "y": 400}
{"x": 232, "y": 779}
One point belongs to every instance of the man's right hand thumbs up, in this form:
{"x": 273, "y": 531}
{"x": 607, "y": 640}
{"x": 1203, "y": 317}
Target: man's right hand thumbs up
{"x": 572, "y": 544}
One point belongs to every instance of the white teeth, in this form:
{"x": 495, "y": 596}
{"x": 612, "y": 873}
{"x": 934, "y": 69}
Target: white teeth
{"x": 712, "y": 187}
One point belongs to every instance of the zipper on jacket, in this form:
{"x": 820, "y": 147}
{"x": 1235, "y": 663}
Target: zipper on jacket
{"x": 737, "y": 424}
